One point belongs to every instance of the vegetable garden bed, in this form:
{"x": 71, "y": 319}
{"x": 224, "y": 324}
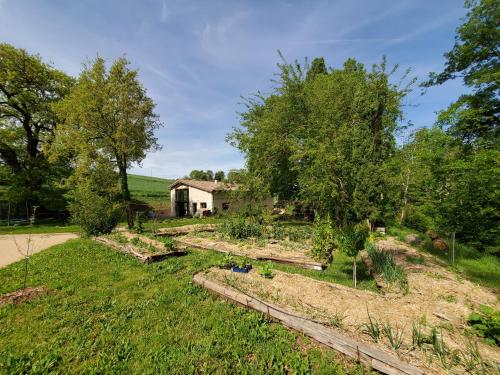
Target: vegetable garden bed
{"x": 145, "y": 249}
{"x": 426, "y": 326}
{"x": 272, "y": 252}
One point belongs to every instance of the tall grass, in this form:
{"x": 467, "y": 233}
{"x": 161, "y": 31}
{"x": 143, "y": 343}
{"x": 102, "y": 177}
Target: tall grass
{"x": 384, "y": 263}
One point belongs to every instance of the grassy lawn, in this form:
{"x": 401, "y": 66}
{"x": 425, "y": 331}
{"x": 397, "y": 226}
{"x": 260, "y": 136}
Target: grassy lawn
{"x": 41, "y": 226}
{"x": 108, "y": 313}
{"x": 470, "y": 263}
{"x": 151, "y": 190}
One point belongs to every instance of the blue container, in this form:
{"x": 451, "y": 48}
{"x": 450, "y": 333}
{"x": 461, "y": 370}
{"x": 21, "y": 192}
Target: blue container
{"x": 241, "y": 270}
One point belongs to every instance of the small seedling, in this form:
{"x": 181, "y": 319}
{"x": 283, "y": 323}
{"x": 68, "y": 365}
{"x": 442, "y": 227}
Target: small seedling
{"x": 266, "y": 272}
{"x": 394, "y": 335}
{"x": 373, "y": 328}
{"x": 338, "y": 318}
{"x": 418, "y": 338}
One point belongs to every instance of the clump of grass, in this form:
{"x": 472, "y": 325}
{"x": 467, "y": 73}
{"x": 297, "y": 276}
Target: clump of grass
{"x": 337, "y": 319}
{"x": 120, "y": 238}
{"x": 168, "y": 243}
{"x": 448, "y": 298}
{"x": 394, "y": 335}
{"x": 418, "y": 338}
{"x": 239, "y": 227}
{"x": 415, "y": 259}
{"x": 372, "y": 328}
{"x": 384, "y": 263}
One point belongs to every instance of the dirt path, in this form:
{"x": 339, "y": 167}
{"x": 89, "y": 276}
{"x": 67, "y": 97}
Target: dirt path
{"x": 9, "y": 252}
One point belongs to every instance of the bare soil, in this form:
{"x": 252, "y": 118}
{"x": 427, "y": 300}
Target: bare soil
{"x": 270, "y": 250}
{"x": 436, "y": 298}
{"x": 23, "y": 295}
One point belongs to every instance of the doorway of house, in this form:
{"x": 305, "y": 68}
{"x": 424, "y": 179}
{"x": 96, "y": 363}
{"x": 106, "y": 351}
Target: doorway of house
{"x": 182, "y": 202}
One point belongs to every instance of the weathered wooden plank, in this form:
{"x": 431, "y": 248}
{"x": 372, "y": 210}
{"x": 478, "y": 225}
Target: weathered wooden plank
{"x": 185, "y": 229}
{"x": 371, "y": 356}
{"x": 129, "y": 249}
{"x": 283, "y": 260}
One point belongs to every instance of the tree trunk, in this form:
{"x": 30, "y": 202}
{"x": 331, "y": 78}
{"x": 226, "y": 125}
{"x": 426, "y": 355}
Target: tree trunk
{"x": 354, "y": 278}
{"x": 405, "y": 198}
{"x": 126, "y": 193}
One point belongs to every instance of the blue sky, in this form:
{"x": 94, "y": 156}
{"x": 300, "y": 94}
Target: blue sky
{"x": 197, "y": 59}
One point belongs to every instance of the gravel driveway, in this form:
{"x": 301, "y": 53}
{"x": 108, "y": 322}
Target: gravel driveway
{"x": 9, "y": 250}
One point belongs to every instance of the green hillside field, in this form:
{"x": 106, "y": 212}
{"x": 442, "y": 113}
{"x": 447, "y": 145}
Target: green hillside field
{"x": 151, "y": 190}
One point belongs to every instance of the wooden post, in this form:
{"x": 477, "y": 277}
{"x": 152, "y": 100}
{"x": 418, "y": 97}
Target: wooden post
{"x": 453, "y": 248}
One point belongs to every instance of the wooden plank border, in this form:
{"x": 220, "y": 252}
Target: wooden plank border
{"x": 309, "y": 265}
{"x": 129, "y": 249}
{"x": 185, "y": 229}
{"x": 368, "y": 355}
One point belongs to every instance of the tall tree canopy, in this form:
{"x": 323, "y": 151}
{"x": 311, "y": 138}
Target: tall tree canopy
{"x": 322, "y": 137}
{"x": 475, "y": 57}
{"x": 28, "y": 89}
{"x": 109, "y": 114}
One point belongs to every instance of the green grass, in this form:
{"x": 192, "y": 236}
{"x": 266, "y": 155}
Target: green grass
{"x": 469, "y": 263}
{"x": 108, "y": 313}
{"x": 151, "y": 190}
{"x": 41, "y": 226}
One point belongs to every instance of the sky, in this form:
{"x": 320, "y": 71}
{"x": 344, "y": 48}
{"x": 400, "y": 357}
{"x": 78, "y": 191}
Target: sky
{"x": 197, "y": 59}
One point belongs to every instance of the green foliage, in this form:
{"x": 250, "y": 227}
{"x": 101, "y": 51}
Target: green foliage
{"x": 239, "y": 227}
{"x": 138, "y": 225}
{"x": 372, "y": 328}
{"x": 351, "y": 239}
{"x": 207, "y": 175}
{"x": 227, "y": 261}
{"x": 300, "y": 141}
{"x": 418, "y": 338}
{"x": 474, "y": 57}
{"x": 107, "y": 114}
{"x": 323, "y": 239}
{"x": 384, "y": 263}
{"x": 394, "y": 335}
{"x": 486, "y": 324}
{"x": 168, "y": 242}
{"x": 265, "y": 271}
{"x": 337, "y": 319}
{"x": 28, "y": 89}
{"x": 95, "y": 214}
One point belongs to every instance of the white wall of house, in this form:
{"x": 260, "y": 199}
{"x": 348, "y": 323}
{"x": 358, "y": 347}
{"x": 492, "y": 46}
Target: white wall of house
{"x": 195, "y": 196}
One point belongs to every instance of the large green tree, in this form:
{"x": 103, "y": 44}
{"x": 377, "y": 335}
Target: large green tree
{"x": 28, "y": 89}
{"x": 108, "y": 113}
{"x": 322, "y": 137}
{"x": 474, "y": 58}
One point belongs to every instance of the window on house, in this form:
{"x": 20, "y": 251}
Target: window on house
{"x": 225, "y": 206}
{"x": 203, "y": 205}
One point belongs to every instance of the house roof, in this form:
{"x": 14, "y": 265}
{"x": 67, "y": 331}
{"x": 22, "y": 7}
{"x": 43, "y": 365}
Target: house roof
{"x": 208, "y": 186}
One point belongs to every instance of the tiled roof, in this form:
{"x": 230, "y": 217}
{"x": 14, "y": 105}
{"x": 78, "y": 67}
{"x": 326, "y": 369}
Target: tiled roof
{"x": 208, "y": 186}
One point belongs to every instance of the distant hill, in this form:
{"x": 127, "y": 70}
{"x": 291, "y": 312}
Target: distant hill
{"x": 151, "y": 190}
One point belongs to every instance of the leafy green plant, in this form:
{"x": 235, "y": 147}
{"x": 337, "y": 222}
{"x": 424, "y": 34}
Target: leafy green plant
{"x": 350, "y": 241}
{"x": 323, "y": 239}
{"x": 394, "y": 335}
{"x": 169, "y": 243}
{"x": 227, "y": 261}
{"x": 94, "y": 213}
{"x": 266, "y": 272}
{"x": 372, "y": 328}
{"x": 138, "y": 225}
{"x": 277, "y": 232}
{"x": 240, "y": 228}
{"x": 485, "y": 323}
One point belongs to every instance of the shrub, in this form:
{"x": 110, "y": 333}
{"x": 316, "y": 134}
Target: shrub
{"x": 138, "y": 226}
{"x": 266, "y": 272}
{"x": 323, "y": 239}
{"x": 240, "y": 228}
{"x": 350, "y": 241}
{"x": 95, "y": 214}
{"x": 486, "y": 324}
